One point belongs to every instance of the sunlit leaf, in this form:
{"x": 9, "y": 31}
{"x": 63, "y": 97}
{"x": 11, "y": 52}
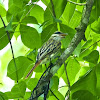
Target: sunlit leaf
{"x": 4, "y": 38}
{"x": 2, "y": 11}
{"x": 3, "y": 96}
{"x": 31, "y": 84}
{"x": 73, "y": 68}
{"x": 38, "y": 13}
{"x": 92, "y": 57}
{"x": 30, "y": 37}
{"x": 17, "y": 91}
{"x": 22, "y": 64}
{"x": 87, "y": 82}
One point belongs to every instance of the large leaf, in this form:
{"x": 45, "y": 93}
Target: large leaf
{"x": 92, "y": 57}
{"x": 73, "y": 68}
{"x": 2, "y": 11}
{"x": 77, "y": 50}
{"x": 54, "y": 82}
{"x": 96, "y": 9}
{"x": 48, "y": 31}
{"x": 22, "y": 64}
{"x": 46, "y": 2}
{"x": 18, "y": 91}
{"x": 18, "y": 3}
{"x": 68, "y": 12}
{"x": 9, "y": 27}
{"x": 75, "y": 20}
{"x": 38, "y": 13}
{"x": 83, "y": 95}
{"x": 29, "y": 19}
{"x": 58, "y": 8}
{"x": 3, "y": 96}
{"x": 4, "y": 38}
{"x": 98, "y": 79}
{"x": 30, "y": 36}
{"x": 88, "y": 82}
{"x": 14, "y": 11}
{"x": 31, "y": 84}
{"x": 95, "y": 26}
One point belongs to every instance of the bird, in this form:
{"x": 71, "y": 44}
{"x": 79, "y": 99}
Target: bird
{"x": 49, "y": 48}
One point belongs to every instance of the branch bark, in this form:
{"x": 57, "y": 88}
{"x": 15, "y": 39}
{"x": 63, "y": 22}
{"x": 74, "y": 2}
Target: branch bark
{"x": 75, "y": 41}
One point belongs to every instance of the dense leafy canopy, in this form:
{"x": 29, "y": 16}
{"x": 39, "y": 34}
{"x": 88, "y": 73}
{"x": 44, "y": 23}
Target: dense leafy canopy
{"x": 34, "y": 25}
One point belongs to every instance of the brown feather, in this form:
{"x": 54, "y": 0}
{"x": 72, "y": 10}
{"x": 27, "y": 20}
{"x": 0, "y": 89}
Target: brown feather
{"x": 36, "y": 64}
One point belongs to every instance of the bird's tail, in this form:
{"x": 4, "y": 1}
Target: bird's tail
{"x": 36, "y": 64}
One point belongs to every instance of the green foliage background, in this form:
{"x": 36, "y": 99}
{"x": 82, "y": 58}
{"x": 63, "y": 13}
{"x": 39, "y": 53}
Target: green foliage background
{"x": 83, "y": 66}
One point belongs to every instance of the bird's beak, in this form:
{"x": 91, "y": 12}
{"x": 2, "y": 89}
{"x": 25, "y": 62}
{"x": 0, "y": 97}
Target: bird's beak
{"x": 63, "y": 35}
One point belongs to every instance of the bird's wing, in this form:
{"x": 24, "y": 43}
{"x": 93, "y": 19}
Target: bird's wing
{"x": 50, "y": 47}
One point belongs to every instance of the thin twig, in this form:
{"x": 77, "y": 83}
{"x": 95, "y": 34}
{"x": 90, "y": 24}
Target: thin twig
{"x": 67, "y": 81}
{"x": 80, "y": 4}
{"x": 54, "y": 94}
{"x": 53, "y": 8}
{"x": 11, "y": 47}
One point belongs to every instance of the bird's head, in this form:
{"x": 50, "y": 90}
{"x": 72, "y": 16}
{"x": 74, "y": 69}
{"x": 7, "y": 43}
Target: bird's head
{"x": 58, "y": 35}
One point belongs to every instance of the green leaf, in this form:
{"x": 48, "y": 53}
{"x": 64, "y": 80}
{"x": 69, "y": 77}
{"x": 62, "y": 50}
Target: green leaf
{"x": 48, "y": 31}
{"x": 18, "y": 91}
{"x": 22, "y": 64}
{"x": 27, "y": 95}
{"x": 29, "y": 19}
{"x": 3, "y": 96}
{"x": 2, "y": 11}
{"x": 87, "y": 44}
{"x": 30, "y": 37}
{"x": 92, "y": 57}
{"x": 75, "y": 20}
{"x": 68, "y": 13}
{"x": 59, "y": 95}
{"x": 31, "y": 84}
{"x": 98, "y": 79}
{"x": 9, "y": 26}
{"x": 17, "y": 3}
{"x": 54, "y": 82}
{"x": 95, "y": 26}
{"x": 73, "y": 68}
{"x": 84, "y": 70}
{"x": 87, "y": 82}
{"x": 4, "y": 38}
{"x": 83, "y": 95}
{"x": 38, "y": 13}
{"x": 14, "y": 11}
{"x": 46, "y": 2}
{"x": 96, "y": 9}
{"x": 58, "y": 8}
{"x": 77, "y": 50}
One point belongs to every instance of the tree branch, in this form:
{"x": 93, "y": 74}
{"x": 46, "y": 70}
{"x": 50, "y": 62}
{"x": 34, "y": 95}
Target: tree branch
{"x": 75, "y": 41}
